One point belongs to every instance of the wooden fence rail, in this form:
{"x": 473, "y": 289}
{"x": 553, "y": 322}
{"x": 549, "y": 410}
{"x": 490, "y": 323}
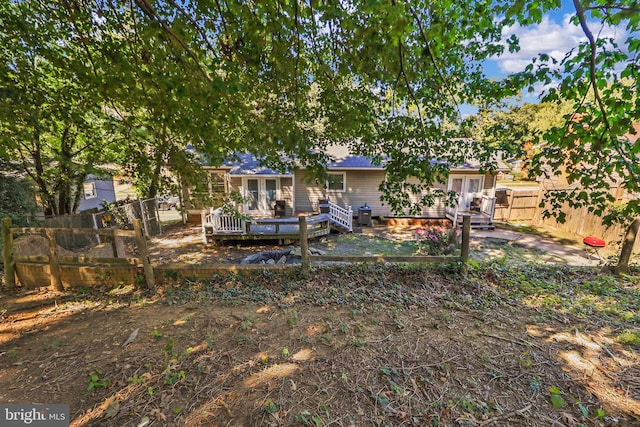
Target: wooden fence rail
{"x": 55, "y": 261}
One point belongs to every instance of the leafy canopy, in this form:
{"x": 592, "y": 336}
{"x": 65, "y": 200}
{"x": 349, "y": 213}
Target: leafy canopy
{"x": 288, "y": 78}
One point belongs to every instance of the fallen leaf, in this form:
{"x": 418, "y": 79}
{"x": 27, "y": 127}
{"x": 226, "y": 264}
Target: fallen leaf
{"x": 112, "y": 410}
{"x": 132, "y": 337}
{"x": 569, "y": 419}
{"x": 143, "y": 422}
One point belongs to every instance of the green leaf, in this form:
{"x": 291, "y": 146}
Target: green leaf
{"x": 584, "y": 410}
{"x": 557, "y": 401}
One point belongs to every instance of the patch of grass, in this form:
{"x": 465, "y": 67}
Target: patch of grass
{"x": 576, "y": 291}
{"x": 630, "y": 338}
{"x": 354, "y": 244}
{"x": 536, "y": 231}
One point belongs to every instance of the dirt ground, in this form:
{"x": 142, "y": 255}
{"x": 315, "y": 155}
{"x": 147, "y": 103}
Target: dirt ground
{"x": 343, "y": 346}
{"x": 183, "y": 244}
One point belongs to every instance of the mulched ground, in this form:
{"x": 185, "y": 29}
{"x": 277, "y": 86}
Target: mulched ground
{"x": 359, "y": 345}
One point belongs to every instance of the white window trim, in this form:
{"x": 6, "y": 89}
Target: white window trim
{"x": 92, "y": 188}
{"x": 344, "y": 182}
{"x": 465, "y": 183}
{"x": 261, "y": 191}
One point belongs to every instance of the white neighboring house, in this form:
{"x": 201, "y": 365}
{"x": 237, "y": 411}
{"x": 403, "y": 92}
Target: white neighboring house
{"x": 95, "y": 191}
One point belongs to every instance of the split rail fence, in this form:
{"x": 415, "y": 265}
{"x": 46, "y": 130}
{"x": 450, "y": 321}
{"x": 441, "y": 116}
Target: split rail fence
{"x": 59, "y": 271}
{"x": 56, "y": 271}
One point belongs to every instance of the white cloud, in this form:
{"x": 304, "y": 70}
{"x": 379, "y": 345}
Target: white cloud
{"x": 550, "y": 37}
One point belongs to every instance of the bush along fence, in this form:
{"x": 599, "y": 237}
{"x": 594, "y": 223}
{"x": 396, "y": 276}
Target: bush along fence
{"x": 57, "y": 271}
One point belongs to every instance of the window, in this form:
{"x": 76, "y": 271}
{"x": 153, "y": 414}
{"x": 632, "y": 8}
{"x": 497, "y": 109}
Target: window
{"x": 217, "y": 184}
{"x": 90, "y": 190}
{"x": 336, "y": 182}
{"x": 209, "y": 190}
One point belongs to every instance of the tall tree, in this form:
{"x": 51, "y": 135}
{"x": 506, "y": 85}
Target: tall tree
{"x": 595, "y": 148}
{"x": 515, "y": 130}
{"x": 17, "y": 200}
{"x": 284, "y": 79}
{"x": 51, "y": 110}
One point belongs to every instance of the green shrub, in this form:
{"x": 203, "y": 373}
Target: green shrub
{"x": 437, "y": 240}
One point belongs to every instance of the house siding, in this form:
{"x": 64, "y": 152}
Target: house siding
{"x": 435, "y": 211}
{"x": 361, "y": 188}
{"x": 104, "y": 192}
{"x": 286, "y": 194}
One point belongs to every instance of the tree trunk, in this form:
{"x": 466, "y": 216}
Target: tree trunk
{"x": 627, "y": 247}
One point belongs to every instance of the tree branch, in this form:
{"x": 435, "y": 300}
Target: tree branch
{"x": 435, "y": 64}
{"x": 580, "y": 12}
{"x": 198, "y": 28}
{"x": 148, "y": 10}
{"x": 406, "y": 81}
{"x": 295, "y": 68}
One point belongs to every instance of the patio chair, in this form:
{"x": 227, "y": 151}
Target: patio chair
{"x": 476, "y": 204}
{"x": 279, "y": 209}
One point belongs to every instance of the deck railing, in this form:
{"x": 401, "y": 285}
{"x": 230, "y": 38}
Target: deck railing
{"x": 341, "y": 216}
{"x": 488, "y": 205}
{"x": 222, "y": 222}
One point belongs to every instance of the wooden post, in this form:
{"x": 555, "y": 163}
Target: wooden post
{"x": 304, "y": 243}
{"x": 114, "y": 244}
{"x": 464, "y": 250}
{"x": 54, "y": 261}
{"x": 203, "y": 218}
{"x": 7, "y": 244}
{"x": 144, "y": 217}
{"x": 144, "y": 254}
{"x": 537, "y": 214}
{"x": 627, "y": 247}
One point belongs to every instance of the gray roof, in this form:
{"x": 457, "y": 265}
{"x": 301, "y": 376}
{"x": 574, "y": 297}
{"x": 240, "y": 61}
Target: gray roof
{"x": 248, "y": 164}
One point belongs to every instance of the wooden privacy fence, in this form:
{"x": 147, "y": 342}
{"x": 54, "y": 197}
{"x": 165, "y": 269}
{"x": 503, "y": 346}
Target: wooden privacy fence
{"x": 57, "y": 271}
{"x": 519, "y": 204}
{"x": 523, "y": 205}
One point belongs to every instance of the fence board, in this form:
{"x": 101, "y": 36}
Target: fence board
{"x": 523, "y": 206}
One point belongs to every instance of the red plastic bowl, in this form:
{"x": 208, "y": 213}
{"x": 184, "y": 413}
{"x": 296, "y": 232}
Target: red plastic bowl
{"x": 594, "y": 242}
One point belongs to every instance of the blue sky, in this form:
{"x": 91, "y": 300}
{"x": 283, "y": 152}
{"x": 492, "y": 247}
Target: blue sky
{"x": 555, "y": 36}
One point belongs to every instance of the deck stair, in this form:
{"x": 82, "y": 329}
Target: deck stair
{"x": 478, "y": 220}
{"x": 341, "y": 218}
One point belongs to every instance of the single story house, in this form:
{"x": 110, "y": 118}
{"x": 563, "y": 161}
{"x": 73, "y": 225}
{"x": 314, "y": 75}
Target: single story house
{"x": 352, "y": 181}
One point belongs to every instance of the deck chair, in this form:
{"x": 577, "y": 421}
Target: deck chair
{"x": 476, "y": 204}
{"x": 279, "y": 209}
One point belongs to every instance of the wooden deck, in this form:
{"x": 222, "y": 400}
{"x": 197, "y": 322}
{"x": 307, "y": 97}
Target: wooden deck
{"x": 286, "y": 229}
{"x": 478, "y": 219}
